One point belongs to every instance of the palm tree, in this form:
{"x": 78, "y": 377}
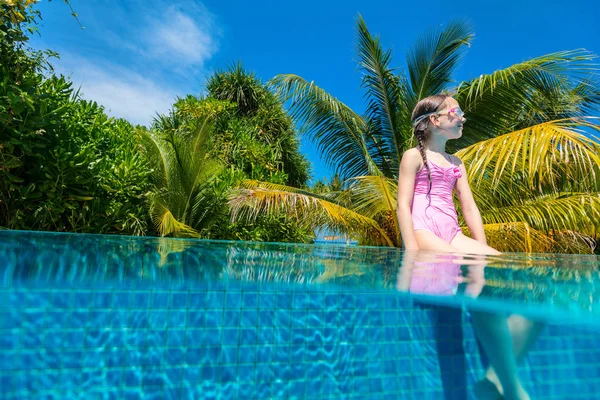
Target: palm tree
{"x": 183, "y": 172}
{"x": 527, "y": 146}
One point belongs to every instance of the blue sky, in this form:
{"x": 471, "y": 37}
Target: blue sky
{"x": 134, "y": 57}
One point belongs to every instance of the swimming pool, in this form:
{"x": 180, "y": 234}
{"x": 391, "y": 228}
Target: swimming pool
{"x": 90, "y": 316}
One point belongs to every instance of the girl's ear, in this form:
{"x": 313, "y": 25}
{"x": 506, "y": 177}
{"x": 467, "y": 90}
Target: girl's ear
{"x": 433, "y": 119}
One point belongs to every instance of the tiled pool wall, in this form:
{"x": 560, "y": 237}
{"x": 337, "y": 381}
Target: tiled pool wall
{"x": 261, "y": 341}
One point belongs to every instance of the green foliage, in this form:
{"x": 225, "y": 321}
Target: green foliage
{"x": 67, "y": 166}
{"x": 533, "y": 171}
{"x": 256, "y": 136}
{"x": 248, "y": 134}
{"x": 64, "y": 165}
{"x": 180, "y": 204}
{"x": 274, "y": 227}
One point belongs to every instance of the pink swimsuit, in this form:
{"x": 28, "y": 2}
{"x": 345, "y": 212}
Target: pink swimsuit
{"x": 435, "y": 212}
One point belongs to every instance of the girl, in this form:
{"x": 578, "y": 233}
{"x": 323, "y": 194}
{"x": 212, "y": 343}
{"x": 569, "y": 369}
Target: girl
{"x": 428, "y": 175}
{"x": 428, "y": 222}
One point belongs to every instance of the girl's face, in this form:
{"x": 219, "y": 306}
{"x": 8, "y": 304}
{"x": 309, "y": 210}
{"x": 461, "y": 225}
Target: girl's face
{"x": 449, "y": 121}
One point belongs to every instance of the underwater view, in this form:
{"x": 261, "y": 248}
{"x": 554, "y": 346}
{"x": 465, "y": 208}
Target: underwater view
{"x": 89, "y": 316}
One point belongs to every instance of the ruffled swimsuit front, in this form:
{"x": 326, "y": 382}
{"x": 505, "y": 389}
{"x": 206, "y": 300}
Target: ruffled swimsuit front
{"x": 435, "y": 211}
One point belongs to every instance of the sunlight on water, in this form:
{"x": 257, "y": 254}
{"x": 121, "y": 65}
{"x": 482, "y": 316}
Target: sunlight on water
{"x": 551, "y": 282}
{"x": 172, "y": 318}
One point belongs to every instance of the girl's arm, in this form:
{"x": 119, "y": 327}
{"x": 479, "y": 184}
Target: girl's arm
{"x": 409, "y": 166}
{"x": 469, "y": 208}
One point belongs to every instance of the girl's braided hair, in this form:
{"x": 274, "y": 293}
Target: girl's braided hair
{"x": 420, "y": 121}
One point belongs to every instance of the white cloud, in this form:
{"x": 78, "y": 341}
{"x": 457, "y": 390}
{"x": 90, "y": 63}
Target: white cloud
{"x": 123, "y": 93}
{"x": 176, "y": 37}
{"x": 136, "y": 64}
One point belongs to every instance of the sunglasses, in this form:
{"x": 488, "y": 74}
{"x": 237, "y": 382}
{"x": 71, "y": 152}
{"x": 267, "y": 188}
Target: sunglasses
{"x": 456, "y": 111}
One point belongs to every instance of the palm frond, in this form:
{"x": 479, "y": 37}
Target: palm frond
{"x": 373, "y": 195}
{"x": 338, "y": 132}
{"x": 515, "y": 237}
{"x": 387, "y": 106}
{"x": 185, "y": 173}
{"x": 572, "y": 242}
{"x": 434, "y": 57}
{"x": 254, "y": 198}
{"x": 539, "y": 152}
{"x": 155, "y": 156}
{"x": 573, "y": 63}
{"x": 541, "y": 89}
{"x": 572, "y": 212}
{"x": 165, "y": 221}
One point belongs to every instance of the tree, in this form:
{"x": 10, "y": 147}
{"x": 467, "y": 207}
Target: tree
{"x": 250, "y": 137}
{"x": 532, "y": 164}
{"x": 183, "y": 172}
{"x": 64, "y": 165}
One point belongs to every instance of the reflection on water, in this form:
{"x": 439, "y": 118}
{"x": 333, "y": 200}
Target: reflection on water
{"x": 505, "y": 339}
{"x": 299, "y": 317}
{"x": 554, "y": 282}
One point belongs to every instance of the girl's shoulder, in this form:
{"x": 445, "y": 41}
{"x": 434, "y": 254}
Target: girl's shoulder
{"x": 413, "y": 158}
{"x": 413, "y": 153}
{"x": 456, "y": 160}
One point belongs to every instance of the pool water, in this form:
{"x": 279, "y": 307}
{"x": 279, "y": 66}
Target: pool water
{"x": 92, "y": 316}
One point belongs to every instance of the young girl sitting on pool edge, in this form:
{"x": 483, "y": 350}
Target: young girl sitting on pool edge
{"x": 428, "y": 222}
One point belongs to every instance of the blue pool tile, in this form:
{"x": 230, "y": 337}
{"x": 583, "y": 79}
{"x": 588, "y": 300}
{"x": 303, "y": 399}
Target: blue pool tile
{"x": 132, "y": 394}
{"x": 113, "y": 377}
{"x": 283, "y": 334}
{"x": 195, "y": 318}
{"x": 250, "y": 300}
{"x": 297, "y": 389}
{"x": 179, "y": 300}
{"x": 140, "y": 299}
{"x": 282, "y": 318}
{"x": 120, "y": 299}
{"x": 175, "y": 356}
{"x": 101, "y": 299}
{"x": 233, "y": 300}
{"x": 300, "y": 301}
{"x": 266, "y": 317}
{"x": 10, "y": 339}
{"x": 246, "y": 371}
{"x": 247, "y": 354}
{"x": 265, "y": 336}
{"x": 249, "y": 317}
{"x": 267, "y": 301}
{"x": 231, "y": 336}
{"x": 284, "y": 301}
{"x": 160, "y": 300}
{"x": 61, "y": 299}
{"x": 280, "y": 354}
{"x": 176, "y": 337}
{"x": 228, "y": 374}
{"x": 132, "y": 376}
{"x": 82, "y": 299}
{"x": 213, "y": 318}
{"x": 158, "y": 319}
{"x": 177, "y": 318}
{"x": 231, "y": 318}
{"x": 316, "y": 301}
{"x": 248, "y": 336}
{"x": 229, "y": 354}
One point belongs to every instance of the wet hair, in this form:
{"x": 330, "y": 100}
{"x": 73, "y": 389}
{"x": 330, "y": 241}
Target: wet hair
{"x": 420, "y": 120}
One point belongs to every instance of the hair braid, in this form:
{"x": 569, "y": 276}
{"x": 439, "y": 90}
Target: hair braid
{"x": 420, "y": 135}
{"x": 423, "y": 109}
